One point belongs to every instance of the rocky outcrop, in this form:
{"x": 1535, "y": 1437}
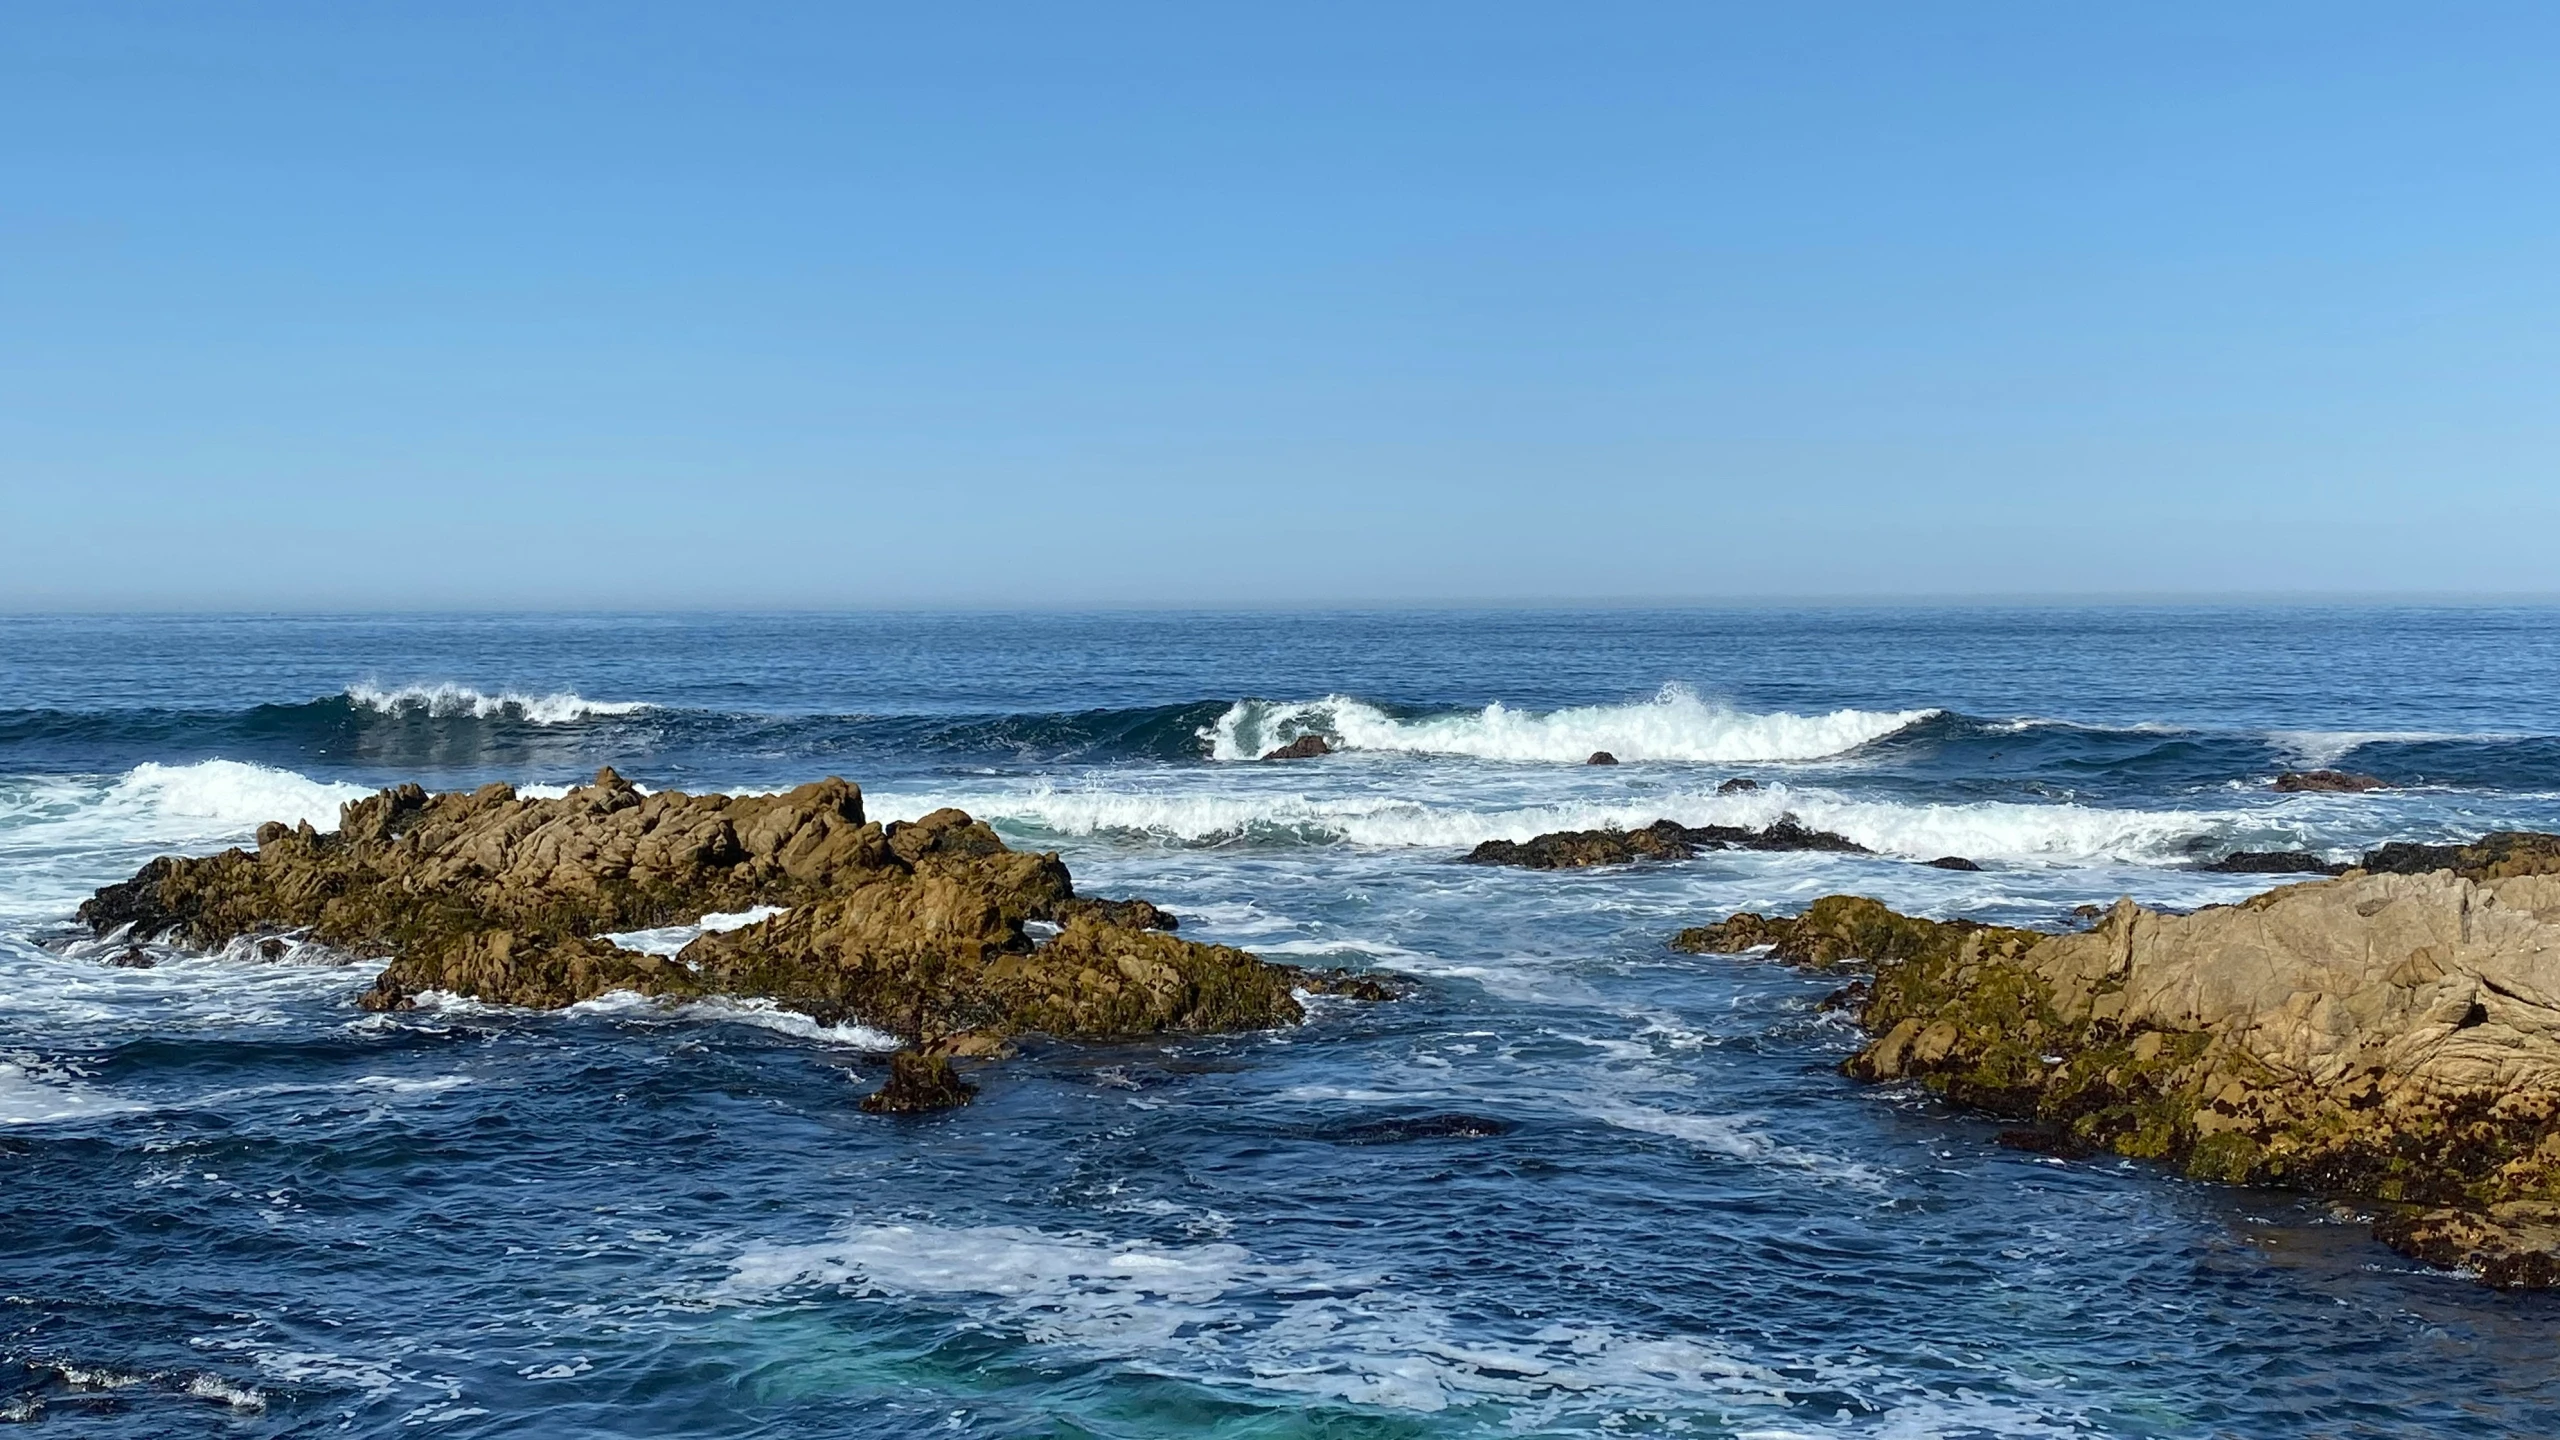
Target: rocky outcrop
{"x": 2384, "y": 1037}
{"x": 2338, "y": 781}
{"x": 2273, "y": 862}
{"x": 918, "y": 1082}
{"x": 1601, "y": 757}
{"x": 1951, "y": 862}
{"x": 921, "y": 929}
{"x": 1305, "y": 747}
{"x": 1738, "y": 785}
{"x": 1661, "y": 840}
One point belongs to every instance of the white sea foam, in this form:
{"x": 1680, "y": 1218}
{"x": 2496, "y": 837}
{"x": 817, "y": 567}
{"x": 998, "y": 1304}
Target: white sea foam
{"x": 154, "y": 802}
{"x": 2315, "y": 748}
{"x": 631, "y": 1005}
{"x": 61, "y": 837}
{"x": 667, "y": 940}
{"x": 443, "y": 700}
{"x": 1733, "y": 1136}
{"x": 1982, "y": 830}
{"x": 30, "y": 1096}
{"x": 1674, "y": 725}
{"x": 1218, "y": 1314}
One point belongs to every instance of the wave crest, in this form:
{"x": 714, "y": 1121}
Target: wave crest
{"x": 1676, "y": 724}
{"x": 450, "y": 701}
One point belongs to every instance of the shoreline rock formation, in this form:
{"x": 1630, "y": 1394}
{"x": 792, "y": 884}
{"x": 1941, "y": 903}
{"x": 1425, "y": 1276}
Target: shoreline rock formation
{"x": 1661, "y": 840}
{"x": 2391, "y": 1035}
{"x": 922, "y": 930}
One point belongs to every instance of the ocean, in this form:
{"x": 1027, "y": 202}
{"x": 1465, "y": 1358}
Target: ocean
{"x": 1575, "y": 1184}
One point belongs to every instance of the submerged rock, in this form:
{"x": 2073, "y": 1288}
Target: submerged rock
{"x": 1951, "y": 862}
{"x": 1738, "y": 785}
{"x": 1661, "y": 840}
{"x": 2379, "y": 1036}
{"x": 2341, "y": 781}
{"x": 1305, "y": 747}
{"x": 1398, "y": 1129}
{"x": 917, "y": 929}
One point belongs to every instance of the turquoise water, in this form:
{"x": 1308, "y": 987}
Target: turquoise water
{"x": 1577, "y": 1184}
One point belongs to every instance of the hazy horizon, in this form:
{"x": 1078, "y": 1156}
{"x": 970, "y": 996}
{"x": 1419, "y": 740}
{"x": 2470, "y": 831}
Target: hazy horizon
{"x": 650, "y": 308}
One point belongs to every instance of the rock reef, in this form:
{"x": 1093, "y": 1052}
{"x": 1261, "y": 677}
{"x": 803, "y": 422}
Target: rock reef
{"x": 2391, "y": 1035}
{"x": 1661, "y": 840}
{"x": 2343, "y": 782}
{"x": 923, "y": 930}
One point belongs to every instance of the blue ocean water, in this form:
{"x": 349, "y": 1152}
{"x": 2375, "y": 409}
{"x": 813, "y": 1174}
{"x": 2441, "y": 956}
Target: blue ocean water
{"x": 1576, "y": 1184}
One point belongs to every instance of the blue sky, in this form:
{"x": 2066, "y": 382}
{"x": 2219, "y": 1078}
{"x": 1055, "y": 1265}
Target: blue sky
{"x": 625, "y": 305}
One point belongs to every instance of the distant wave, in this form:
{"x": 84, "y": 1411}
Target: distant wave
{"x": 447, "y": 701}
{"x": 1675, "y": 724}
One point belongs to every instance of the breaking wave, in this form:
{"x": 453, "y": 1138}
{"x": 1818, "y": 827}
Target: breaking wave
{"x": 1676, "y": 724}
{"x": 449, "y": 701}
{"x": 154, "y": 803}
{"x": 1981, "y": 830}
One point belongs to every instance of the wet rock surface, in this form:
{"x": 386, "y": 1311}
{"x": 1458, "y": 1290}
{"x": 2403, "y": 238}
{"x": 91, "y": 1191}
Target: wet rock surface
{"x": 2345, "y": 782}
{"x": 2273, "y": 862}
{"x": 1661, "y": 840}
{"x": 916, "y": 929}
{"x": 2381, "y": 1036}
{"x": 1305, "y": 747}
{"x": 918, "y": 1083}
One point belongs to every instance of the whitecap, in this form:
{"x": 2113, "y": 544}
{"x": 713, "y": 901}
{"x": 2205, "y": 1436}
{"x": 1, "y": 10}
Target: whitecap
{"x": 447, "y": 700}
{"x": 1676, "y": 724}
{"x": 2057, "y": 831}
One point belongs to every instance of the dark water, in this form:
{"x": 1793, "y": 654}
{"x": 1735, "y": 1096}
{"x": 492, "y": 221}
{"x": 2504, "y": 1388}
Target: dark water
{"x": 1577, "y": 1184}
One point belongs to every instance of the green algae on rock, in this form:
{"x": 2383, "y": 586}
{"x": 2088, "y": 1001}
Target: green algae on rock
{"x": 922, "y": 930}
{"x": 2384, "y": 1037}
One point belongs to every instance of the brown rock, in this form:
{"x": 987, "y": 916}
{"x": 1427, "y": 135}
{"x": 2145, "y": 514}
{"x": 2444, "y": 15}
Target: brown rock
{"x": 1951, "y": 862}
{"x": 2383, "y": 1037}
{"x": 1738, "y": 785}
{"x": 2273, "y": 862}
{"x": 919, "y": 929}
{"x": 2512, "y": 1246}
{"x": 1601, "y": 757}
{"x": 2344, "y": 781}
{"x": 1661, "y": 840}
{"x": 918, "y": 1083}
{"x": 1305, "y": 747}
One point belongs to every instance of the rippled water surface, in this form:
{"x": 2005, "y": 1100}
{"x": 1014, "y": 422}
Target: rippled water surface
{"x": 1577, "y": 1183}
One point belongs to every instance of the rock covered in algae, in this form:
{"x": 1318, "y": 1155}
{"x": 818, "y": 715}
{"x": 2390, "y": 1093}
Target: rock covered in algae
{"x": 2339, "y": 782}
{"x": 2385, "y": 1037}
{"x": 1661, "y": 840}
{"x": 917, "y": 1083}
{"x": 918, "y": 929}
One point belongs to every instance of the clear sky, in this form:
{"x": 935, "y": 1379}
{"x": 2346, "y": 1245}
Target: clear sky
{"x": 616, "y": 304}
